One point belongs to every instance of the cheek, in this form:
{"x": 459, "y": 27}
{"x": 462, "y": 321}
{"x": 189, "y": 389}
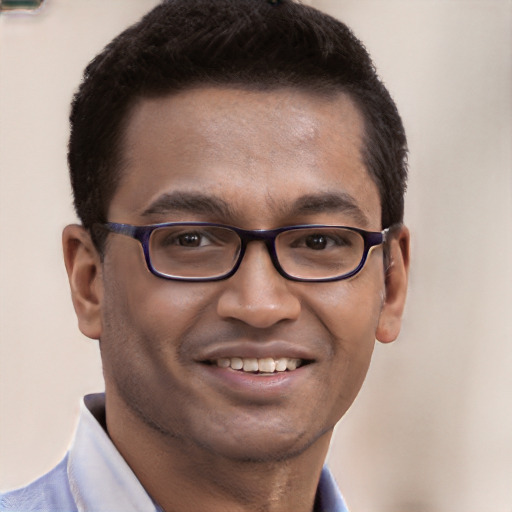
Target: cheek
{"x": 350, "y": 309}
{"x": 145, "y": 320}
{"x": 350, "y": 312}
{"x": 148, "y": 306}
{"x": 145, "y": 324}
{"x": 151, "y": 321}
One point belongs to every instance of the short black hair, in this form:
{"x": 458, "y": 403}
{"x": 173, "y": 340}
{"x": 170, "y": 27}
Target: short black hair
{"x": 255, "y": 44}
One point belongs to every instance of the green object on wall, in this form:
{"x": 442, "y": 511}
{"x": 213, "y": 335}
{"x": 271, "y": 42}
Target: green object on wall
{"x": 14, "y": 5}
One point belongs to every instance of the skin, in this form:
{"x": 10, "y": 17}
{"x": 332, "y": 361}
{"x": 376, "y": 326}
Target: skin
{"x": 257, "y": 160}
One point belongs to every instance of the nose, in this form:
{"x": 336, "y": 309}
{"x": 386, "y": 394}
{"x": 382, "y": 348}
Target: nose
{"x": 257, "y": 294}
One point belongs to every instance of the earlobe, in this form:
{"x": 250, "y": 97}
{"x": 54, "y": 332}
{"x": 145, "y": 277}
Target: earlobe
{"x": 83, "y": 266}
{"x": 396, "y": 279}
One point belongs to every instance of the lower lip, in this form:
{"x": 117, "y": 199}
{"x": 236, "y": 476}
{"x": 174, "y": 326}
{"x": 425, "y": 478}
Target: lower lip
{"x": 253, "y": 385}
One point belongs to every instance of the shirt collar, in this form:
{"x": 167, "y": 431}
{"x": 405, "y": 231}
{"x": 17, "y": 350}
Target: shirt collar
{"x": 328, "y": 496}
{"x": 99, "y": 477}
{"x": 101, "y": 480}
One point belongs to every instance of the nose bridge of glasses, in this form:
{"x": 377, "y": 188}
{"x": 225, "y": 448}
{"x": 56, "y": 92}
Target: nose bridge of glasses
{"x": 268, "y": 238}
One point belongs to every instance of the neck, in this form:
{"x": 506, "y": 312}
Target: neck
{"x": 185, "y": 478}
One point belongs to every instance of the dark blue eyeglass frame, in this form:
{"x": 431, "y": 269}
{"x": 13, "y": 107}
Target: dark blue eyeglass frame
{"x": 268, "y": 236}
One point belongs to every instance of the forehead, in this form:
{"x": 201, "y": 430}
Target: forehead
{"x": 258, "y": 152}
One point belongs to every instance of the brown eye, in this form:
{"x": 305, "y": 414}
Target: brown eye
{"x": 189, "y": 240}
{"x": 316, "y": 242}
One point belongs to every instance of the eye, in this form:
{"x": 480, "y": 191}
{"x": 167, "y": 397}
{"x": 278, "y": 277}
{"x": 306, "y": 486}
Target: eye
{"x": 323, "y": 240}
{"x": 174, "y": 239}
{"x": 316, "y": 241}
{"x": 193, "y": 239}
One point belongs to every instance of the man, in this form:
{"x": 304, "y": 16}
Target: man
{"x": 239, "y": 172}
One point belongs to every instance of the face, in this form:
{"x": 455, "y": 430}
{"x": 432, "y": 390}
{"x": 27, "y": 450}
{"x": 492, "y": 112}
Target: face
{"x": 255, "y": 160}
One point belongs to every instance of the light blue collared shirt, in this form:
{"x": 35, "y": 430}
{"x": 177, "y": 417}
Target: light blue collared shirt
{"x": 94, "y": 477}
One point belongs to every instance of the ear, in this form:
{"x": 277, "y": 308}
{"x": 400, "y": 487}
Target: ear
{"x": 397, "y": 273}
{"x": 83, "y": 265}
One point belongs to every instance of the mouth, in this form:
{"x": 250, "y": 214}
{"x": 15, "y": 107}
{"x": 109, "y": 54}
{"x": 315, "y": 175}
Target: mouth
{"x": 263, "y": 366}
{"x": 260, "y": 373}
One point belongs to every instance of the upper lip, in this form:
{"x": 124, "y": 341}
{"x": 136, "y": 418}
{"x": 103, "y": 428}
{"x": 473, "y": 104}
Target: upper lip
{"x": 255, "y": 349}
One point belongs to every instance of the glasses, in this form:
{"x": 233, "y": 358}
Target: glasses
{"x": 201, "y": 251}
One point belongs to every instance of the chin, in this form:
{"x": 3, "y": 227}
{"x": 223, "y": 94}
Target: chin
{"x": 264, "y": 446}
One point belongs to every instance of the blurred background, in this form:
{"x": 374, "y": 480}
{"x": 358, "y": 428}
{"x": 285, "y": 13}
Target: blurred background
{"x": 432, "y": 428}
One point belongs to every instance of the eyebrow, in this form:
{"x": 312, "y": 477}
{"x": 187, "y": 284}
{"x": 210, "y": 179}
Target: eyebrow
{"x": 188, "y": 202}
{"x": 330, "y": 202}
{"x": 203, "y": 204}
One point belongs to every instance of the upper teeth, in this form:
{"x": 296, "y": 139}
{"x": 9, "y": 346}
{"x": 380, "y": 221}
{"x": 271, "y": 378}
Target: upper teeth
{"x": 264, "y": 365}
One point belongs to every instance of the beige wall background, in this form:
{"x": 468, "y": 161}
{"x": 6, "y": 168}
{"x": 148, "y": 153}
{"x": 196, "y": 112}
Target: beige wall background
{"x": 432, "y": 429}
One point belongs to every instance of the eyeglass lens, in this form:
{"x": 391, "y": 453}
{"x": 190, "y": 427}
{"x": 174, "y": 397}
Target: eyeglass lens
{"x": 210, "y": 251}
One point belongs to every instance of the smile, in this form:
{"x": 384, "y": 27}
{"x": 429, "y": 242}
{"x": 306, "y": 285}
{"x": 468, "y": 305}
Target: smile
{"x": 260, "y": 365}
